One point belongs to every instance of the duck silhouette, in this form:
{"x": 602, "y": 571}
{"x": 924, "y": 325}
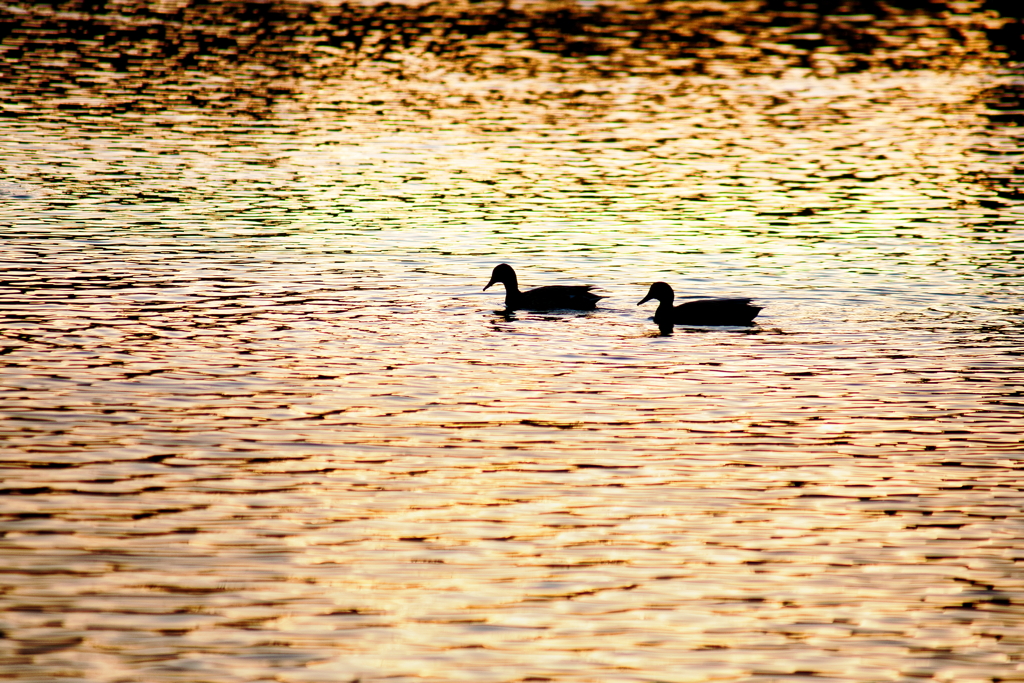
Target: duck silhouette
{"x": 552, "y": 297}
{"x": 700, "y": 311}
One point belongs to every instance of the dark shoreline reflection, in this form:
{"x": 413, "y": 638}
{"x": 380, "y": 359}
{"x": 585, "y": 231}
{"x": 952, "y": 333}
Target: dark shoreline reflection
{"x": 124, "y": 55}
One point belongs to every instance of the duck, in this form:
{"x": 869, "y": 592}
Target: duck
{"x": 575, "y": 297}
{"x": 707, "y": 312}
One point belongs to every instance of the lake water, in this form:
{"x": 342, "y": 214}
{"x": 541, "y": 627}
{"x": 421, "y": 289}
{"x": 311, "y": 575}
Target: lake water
{"x": 260, "y": 423}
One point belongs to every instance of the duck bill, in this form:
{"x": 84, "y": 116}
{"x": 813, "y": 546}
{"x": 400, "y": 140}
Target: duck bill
{"x": 490, "y": 283}
{"x": 645, "y": 299}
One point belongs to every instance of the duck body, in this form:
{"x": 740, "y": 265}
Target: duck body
{"x": 552, "y": 297}
{"x": 706, "y": 312}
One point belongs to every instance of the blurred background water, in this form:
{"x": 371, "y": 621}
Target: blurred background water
{"x": 261, "y": 424}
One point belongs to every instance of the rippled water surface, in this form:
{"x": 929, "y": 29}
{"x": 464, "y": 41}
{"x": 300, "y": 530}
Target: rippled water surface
{"x": 260, "y": 423}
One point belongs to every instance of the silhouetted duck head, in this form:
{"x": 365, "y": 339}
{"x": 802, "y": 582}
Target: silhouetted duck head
{"x": 661, "y": 291}
{"x": 504, "y": 274}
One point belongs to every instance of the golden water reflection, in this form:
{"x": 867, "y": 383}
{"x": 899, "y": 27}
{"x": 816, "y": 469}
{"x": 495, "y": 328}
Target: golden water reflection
{"x": 260, "y": 423}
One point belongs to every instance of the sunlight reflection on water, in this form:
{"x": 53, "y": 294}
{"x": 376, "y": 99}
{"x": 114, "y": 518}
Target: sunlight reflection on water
{"x": 260, "y": 422}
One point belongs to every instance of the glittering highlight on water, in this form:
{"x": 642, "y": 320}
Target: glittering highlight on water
{"x": 260, "y": 423}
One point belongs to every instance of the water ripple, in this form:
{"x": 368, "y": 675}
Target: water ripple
{"x": 260, "y": 422}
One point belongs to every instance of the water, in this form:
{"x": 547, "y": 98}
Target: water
{"x": 261, "y": 424}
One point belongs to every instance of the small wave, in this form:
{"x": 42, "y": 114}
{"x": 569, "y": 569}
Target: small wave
{"x": 15, "y": 191}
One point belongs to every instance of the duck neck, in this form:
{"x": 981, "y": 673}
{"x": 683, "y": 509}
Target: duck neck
{"x": 665, "y": 309}
{"x": 511, "y": 283}
{"x": 511, "y": 294}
